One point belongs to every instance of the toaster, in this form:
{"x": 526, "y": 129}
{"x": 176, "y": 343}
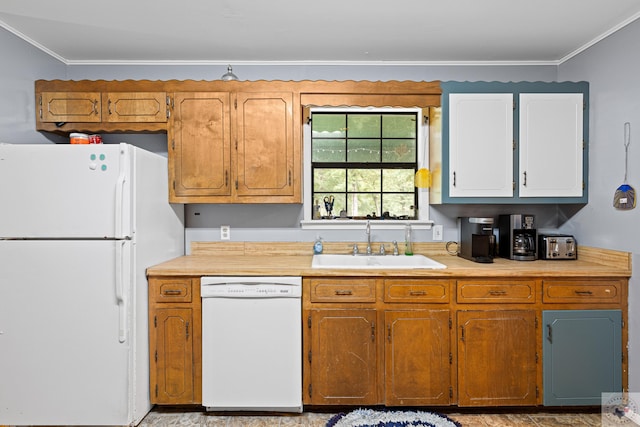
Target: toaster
{"x": 557, "y": 246}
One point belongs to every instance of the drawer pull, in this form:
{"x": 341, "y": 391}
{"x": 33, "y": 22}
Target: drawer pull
{"x": 344, "y": 292}
{"x": 497, "y": 293}
{"x": 584, "y": 293}
{"x": 171, "y": 292}
{"x": 417, "y": 293}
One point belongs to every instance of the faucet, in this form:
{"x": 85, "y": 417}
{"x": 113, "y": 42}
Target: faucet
{"x": 368, "y": 231}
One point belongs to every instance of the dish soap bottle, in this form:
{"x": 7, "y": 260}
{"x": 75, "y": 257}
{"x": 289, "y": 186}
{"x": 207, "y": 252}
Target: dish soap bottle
{"x": 408, "y": 249}
{"x": 317, "y": 246}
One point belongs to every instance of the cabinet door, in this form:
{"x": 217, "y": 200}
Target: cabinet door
{"x": 172, "y": 357}
{"x": 417, "y": 352}
{"x": 496, "y": 358}
{"x": 135, "y": 107}
{"x": 81, "y": 107}
{"x": 343, "y": 357}
{"x": 480, "y": 145}
{"x": 200, "y": 146}
{"x": 265, "y": 144}
{"x": 551, "y": 145}
{"x": 582, "y": 356}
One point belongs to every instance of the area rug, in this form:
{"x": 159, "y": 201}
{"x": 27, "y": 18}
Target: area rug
{"x": 373, "y": 418}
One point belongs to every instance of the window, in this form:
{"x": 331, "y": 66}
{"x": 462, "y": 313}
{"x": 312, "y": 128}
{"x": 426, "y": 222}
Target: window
{"x": 360, "y": 164}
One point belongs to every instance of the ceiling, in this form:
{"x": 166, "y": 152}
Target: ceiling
{"x": 310, "y": 32}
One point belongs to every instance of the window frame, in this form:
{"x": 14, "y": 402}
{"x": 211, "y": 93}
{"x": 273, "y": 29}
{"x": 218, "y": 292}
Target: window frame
{"x": 422, "y": 161}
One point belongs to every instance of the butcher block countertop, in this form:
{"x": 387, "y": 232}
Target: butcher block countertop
{"x": 294, "y": 259}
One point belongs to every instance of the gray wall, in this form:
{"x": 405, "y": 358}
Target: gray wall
{"x": 21, "y": 65}
{"x": 613, "y": 68}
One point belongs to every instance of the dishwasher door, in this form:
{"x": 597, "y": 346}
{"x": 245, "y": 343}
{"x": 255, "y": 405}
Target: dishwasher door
{"x": 252, "y": 343}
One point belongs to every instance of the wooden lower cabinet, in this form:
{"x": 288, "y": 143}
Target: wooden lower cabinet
{"x": 421, "y": 342}
{"x": 362, "y": 351}
{"x": 417, "y": 358}
{"x": 175, "y": 341}
{"x": 173, "y": 355}
{"x": 497, "y": 357}
{"x": 343, "y": 359}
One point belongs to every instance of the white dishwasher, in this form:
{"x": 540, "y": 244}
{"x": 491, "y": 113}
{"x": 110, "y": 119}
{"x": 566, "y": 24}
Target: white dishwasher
{"x": 252, "y": 343}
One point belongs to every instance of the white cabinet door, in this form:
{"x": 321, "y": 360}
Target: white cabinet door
{"x": 551, "y": 145}
{"x": 481, "y": 145}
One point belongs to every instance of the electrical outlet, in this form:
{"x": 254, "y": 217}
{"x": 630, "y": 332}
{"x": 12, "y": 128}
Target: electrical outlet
{"x": 225, "y": 232}
{"x": 437, "y": 232}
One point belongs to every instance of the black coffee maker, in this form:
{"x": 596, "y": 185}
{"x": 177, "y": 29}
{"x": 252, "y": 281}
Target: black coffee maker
{"x": 518, "y": 237}
{"x": 477, "y": 241}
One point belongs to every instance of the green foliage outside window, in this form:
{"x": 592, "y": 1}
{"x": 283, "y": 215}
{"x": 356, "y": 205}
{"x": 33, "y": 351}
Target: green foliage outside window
{"x": 366, "y": 162}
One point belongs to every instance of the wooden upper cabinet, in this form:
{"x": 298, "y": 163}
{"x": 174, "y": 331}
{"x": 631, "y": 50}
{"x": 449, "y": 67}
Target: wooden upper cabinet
{"x": 265, "y": 144}
{"x": 135, "y": 107}
{"x": 228, "y": 142}
{"x": 200, "y": 147}
{"x": 228, "y": 147}
{"x": 61, "y": 107}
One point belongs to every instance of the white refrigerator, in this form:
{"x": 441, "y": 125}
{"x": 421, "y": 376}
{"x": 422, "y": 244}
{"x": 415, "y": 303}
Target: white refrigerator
{"x": 79, "y": 225}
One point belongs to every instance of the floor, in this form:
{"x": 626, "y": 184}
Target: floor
{"x": 192, "y": 418}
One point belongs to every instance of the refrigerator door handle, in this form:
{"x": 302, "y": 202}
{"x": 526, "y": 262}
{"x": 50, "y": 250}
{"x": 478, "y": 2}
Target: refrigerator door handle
{"x": 122, "y": 309}
{"x": 119, "y": 204}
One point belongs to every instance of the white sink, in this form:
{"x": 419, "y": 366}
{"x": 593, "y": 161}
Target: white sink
{"x": 374, "y": 261}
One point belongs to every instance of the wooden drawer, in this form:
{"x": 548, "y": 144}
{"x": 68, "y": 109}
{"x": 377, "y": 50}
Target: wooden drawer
{"x": 579, "y": 291}
{"x": 416, "y": 291}
{"x": 492, "y": 291}
{"x": 170, "y": 290}
{"x": 343, "y": 290}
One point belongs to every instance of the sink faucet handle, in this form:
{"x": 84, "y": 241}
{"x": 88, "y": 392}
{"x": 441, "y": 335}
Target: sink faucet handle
{"x": 395, "y": 248}
{"x": 356, "y": 251}
{"x": 382, "y": 249}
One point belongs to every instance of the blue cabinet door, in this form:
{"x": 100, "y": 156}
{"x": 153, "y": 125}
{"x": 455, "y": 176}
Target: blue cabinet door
{"x": 582, "y": 356}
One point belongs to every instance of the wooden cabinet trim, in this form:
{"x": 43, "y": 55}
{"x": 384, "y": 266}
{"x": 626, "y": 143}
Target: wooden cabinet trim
{"x": 413, "y": 291}
{"x": 136, "y": 107}
{"x": 61, "y": 107}
{"x": 585, "y": 292}
{"x": 170, "y": 291}
{"x": 343, "y": 290}
{"x": 492, "y": 291}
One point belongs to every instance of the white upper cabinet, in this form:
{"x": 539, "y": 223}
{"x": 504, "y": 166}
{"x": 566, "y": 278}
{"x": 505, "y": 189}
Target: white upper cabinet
{"x": 481, "y": 145}
{"x": 551, "y": 145}
{"x": 512, "y": 143}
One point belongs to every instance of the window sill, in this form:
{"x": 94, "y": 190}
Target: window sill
{"x": 357, "y": 224}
